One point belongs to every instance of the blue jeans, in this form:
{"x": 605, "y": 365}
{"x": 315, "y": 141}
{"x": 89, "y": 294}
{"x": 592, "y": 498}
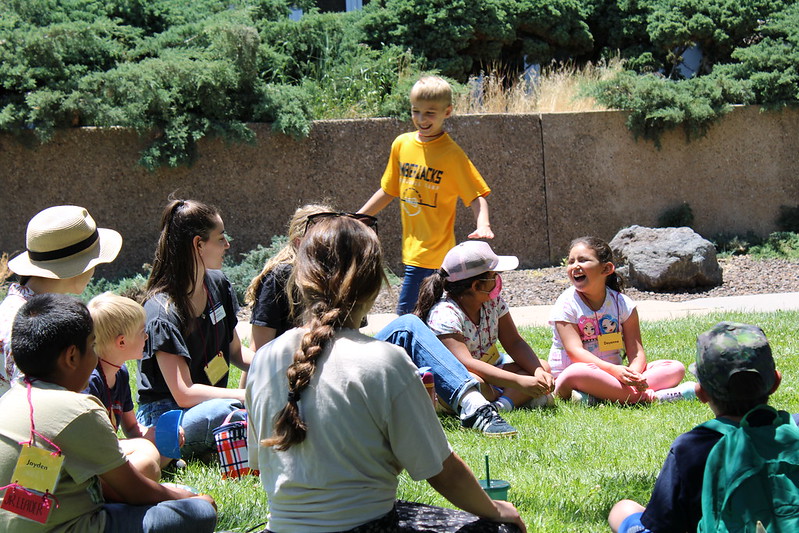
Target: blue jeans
{"x": 452, "y": 379}
{"x": 191, "y": 514}
{"x": 198, "y": 423}
{"x": 409, "y": 292}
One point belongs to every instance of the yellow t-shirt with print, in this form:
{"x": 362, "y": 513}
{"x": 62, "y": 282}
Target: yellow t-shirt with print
{"x": 428, "y": 178}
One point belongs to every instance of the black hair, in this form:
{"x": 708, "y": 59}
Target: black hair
{"x": 433, "y": 287}
{"x": 741, "y": 385}
{"x": 44, "y": 327}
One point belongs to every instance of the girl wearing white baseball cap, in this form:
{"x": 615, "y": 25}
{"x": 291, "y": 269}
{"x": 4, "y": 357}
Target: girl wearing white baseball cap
{"x": 462, "y": 304}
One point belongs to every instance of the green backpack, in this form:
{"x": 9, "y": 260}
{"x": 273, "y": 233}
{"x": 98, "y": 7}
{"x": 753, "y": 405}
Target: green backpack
{"x": 751, "y": 480}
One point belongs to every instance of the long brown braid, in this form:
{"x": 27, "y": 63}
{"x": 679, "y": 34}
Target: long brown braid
{"x": 339, "y": 267}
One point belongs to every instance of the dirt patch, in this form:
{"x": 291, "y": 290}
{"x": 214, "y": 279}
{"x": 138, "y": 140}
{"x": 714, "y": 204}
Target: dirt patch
{"x": 742, "y": 275}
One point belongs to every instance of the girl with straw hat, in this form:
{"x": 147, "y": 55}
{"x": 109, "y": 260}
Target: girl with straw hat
{"x": 63, "y": 245}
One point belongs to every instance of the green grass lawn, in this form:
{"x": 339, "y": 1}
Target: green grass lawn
{"x": 570, "y": 463}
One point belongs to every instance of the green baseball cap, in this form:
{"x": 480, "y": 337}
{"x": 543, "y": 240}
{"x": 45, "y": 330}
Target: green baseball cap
{"x": 727, "y": 349}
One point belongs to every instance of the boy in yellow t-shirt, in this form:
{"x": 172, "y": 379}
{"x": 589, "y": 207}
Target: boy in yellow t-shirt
{"x": 428, "y": 172}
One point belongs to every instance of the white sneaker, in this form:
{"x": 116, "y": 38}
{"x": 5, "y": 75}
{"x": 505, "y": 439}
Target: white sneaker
{"x": 683, "y": 391}
{"x": 542, "y": 401}
{"x": 584, "y": 398}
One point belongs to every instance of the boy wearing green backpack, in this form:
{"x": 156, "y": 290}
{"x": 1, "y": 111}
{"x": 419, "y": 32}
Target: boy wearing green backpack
{"x": 750, "y": 450}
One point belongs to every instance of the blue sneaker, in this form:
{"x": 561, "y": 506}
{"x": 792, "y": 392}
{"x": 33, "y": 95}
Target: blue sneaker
{"x": 487, "y": 420}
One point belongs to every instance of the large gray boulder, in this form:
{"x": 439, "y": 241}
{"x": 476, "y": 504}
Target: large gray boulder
{"x": 655, "y": 259}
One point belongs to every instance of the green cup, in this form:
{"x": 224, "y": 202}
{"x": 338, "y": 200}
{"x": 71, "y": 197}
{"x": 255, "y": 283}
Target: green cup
{"x": 498, "y": 489}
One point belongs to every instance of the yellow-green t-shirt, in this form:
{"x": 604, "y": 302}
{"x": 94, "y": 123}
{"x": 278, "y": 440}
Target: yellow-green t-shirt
{"x": 79, "y": 425}
{"x": 428, "y": 178}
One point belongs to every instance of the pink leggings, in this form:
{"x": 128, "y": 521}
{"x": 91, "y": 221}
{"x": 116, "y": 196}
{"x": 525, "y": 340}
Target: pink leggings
{"x": 587, "y": 377}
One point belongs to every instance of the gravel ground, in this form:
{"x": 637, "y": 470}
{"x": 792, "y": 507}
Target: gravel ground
{"x": 742, "y": 275}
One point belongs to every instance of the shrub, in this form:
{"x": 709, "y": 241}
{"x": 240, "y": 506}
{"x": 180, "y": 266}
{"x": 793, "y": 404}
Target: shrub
{"x": 770, "y": 62}
{"x": 131, "y": 287}
{"x": 728, "y": 244}
{"x": 717, "y": 27}
{"x": 460, "y": 37}
{"x": 179, "y": 71}
{"x": 750, "y": 56}
{"x": 619, "y": 27}
{"x": 657, "y": 104}
{"x": 780, "y": 244}
{"x": 241, "y": 274}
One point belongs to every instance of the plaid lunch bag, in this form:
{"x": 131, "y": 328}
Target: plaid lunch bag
{"x": 231, "y": 447}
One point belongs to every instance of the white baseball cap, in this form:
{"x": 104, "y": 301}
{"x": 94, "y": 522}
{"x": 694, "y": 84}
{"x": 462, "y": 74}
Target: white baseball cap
{"x": 471, "y": 258}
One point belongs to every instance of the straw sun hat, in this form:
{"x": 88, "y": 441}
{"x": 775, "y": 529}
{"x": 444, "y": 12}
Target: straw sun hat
{"x": 63, "y": 242}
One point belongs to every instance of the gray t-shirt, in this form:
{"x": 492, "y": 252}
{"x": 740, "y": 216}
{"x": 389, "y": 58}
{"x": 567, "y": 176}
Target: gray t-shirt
{"x": 368, "y": 418}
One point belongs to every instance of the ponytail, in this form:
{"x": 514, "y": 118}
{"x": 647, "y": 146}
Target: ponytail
{"x": 615, "y": 282}
{"x": 174, "y": 270}
{"x": 433, "y": 288}
{"x": 430, "y": 291}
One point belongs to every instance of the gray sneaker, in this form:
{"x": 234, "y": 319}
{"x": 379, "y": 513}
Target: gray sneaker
{"x": 487, "y": 420}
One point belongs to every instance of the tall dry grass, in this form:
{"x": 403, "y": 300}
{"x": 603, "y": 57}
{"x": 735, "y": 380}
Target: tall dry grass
{"x": 5, "y": 273}
{"x": 558, "y": 87}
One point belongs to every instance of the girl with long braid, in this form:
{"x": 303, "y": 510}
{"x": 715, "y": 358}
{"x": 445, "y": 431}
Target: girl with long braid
{"x": 276, "y": 308}
{"x": 335, "y": 415}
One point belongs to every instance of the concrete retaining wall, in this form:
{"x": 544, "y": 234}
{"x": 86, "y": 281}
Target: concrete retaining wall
{"x": 554, "y": 177}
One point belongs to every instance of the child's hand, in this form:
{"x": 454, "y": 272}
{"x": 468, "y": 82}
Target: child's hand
{"x": 546, "y": 378}
{"x": 627, "y": 376}
{"x": 539, "y": 385}
{"x": 482, "y": 232}
{"x": 637, "y": 380}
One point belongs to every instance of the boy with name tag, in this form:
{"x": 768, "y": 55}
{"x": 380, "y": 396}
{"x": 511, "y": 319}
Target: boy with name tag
{"x": 59, "y": 454}
{"x": 120, "y": 337}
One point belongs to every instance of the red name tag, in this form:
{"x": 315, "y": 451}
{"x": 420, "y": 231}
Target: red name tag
{"x": 30, "y": 505}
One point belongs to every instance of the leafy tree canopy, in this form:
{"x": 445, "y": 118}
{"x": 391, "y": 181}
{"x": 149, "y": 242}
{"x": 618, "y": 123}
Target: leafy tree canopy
{"x": 177, "y": 71}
